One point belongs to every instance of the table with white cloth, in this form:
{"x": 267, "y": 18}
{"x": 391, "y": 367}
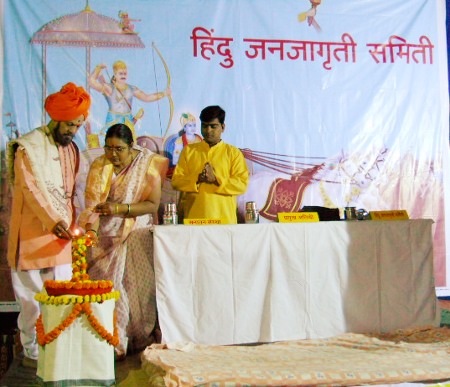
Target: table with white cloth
{"x": 246, "y": 283}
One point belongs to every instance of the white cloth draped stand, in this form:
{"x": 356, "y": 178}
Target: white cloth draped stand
{"x": 79, "y": 356}
{"x": 285, "y": 281}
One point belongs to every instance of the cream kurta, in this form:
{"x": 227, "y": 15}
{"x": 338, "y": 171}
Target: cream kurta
{"x": 31, "y": 244}
{"x": 209, "y": 201}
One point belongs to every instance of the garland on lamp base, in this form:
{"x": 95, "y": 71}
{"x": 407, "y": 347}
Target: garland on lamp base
{"x": 67, "y": 299}
{"x": 79, "y": 291}
{"x": 46, "y": 338}
{"x": 79, "y": 284}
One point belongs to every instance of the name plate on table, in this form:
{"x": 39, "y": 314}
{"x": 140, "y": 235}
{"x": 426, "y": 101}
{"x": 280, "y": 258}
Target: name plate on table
{"x": 389, "y": 215}
{"x": 203, "y": 222}
{"x": 296, "y": 217}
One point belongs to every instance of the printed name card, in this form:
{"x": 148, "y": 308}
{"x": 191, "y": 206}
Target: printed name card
{"x": 296, "y": 217}
{"x": 389, "y": 215}
{"x": 203, "y": 222}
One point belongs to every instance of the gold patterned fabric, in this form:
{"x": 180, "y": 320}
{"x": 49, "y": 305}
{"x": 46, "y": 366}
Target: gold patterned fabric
{"x": 420, "y": 354}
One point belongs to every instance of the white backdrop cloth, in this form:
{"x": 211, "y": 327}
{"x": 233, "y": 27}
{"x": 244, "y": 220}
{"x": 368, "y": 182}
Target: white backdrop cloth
{"x": 356, "y": 92}
{"x": 269, "y": 282}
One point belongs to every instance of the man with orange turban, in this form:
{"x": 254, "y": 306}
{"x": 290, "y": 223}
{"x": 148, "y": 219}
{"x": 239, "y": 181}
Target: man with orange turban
{"x": 42, "y": 166}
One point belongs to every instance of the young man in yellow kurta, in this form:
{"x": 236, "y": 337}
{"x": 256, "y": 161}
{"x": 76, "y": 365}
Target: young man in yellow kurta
{"x": 211, "y": 173}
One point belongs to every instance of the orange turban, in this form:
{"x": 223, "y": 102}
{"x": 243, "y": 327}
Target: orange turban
{"x": 69, "y": 103}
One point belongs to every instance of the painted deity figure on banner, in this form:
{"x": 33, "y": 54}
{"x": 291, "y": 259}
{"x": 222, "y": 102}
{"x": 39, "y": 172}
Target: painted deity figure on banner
{"x": 126, "y": 23}
{"x": 310, "y": 15}
{"x": 119, "y": 96}
{"x": 187, "y": 135}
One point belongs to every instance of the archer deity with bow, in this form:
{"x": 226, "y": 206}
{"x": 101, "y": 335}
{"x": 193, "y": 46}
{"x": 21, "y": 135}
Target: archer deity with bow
{"x": 119, "y": 95}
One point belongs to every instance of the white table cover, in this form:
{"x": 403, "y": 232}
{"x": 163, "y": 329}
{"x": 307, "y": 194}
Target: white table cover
{"x": 286, "y": 281}
{"x": 79, "y": 356}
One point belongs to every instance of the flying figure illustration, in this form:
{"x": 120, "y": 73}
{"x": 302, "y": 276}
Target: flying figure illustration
{"x": 310, "y": 15}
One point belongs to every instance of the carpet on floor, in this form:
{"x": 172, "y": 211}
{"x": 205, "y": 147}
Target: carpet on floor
{"x": 19, "y": 376}
{"x": 411, "y": 355}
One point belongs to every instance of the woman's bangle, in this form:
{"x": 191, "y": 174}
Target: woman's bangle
{"x": 117, "y": 208}
{"x": 95, "y": 232}
{"x": 128, "y": 209}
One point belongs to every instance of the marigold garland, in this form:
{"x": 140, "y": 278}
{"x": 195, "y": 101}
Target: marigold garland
{"x": 67, "y": 299}
{"x": 79, "y": 284}
{"x": 46, "y": 338}
{"x": 79, "y": 291}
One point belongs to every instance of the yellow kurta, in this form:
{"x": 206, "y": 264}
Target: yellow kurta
{"x": 209, "y": 201}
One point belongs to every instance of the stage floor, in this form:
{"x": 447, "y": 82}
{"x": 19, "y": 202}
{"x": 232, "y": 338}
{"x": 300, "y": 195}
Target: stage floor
{"x": 129, "y": 373}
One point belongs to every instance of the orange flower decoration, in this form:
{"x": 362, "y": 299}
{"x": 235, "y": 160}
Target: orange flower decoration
{"x": 80, "y": 283}
{"x": 46, "y": 338}
{"x": 80, "y": 291}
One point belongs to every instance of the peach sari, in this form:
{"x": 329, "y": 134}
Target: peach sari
{"x": 124, "y": 253}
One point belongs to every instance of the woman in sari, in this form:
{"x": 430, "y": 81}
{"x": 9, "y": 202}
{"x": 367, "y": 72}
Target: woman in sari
{"x": 123, "y": 190}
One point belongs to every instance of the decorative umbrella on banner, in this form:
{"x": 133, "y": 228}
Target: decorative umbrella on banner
{"x": 90, "y": 30}
{"x": 83, "y": 29}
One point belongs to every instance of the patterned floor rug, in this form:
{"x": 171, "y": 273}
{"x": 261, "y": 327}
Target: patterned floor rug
{"x": 404, "y": 356}
{"x": 129, "y": 373}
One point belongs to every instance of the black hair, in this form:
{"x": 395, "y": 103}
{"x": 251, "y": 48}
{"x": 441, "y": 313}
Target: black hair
{"x": 120, "y": 131}
{"x": 209, "y": 113}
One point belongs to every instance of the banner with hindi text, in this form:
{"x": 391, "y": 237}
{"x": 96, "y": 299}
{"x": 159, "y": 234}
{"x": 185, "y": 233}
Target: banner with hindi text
{"x": 332, "y": 103}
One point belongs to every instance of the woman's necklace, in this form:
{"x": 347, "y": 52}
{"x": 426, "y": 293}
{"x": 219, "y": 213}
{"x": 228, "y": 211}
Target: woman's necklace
{"x": 118, "y": 170}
